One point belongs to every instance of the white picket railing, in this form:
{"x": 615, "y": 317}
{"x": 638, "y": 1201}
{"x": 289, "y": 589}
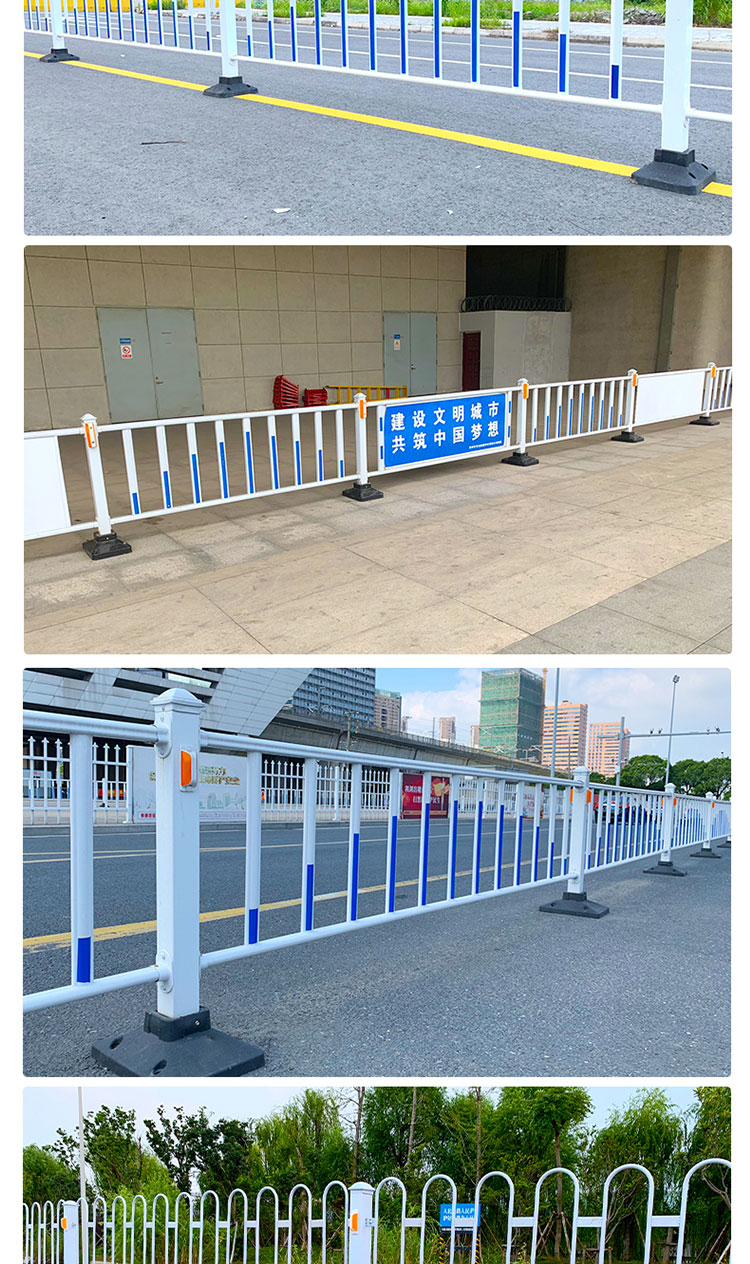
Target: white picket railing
{"x": 537, "y": 838}
{"x": 196, "y": 1229}
{"x": 387, "y": 52}
{"x": 146, "y": 469}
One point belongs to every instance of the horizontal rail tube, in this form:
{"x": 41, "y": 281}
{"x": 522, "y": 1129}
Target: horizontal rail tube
{"x": 97, "y": 987}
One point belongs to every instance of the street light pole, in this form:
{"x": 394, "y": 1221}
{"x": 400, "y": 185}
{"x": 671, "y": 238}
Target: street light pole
{"x": 554, "y": 722}
{"x": 675, "y": 681}
{"x": 619, "y": 750}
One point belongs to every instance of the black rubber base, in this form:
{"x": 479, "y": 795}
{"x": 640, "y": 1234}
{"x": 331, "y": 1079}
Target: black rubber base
{"x": 520, "y": 458}
{"x": 106, "y": 546}
{"x": 705, "y": 420}
{"x": 362, "y": 491}
{"x": 627, "y": 436}
{"x": 727, "y": 843}
{"x": 575, "y": 906}
{"x": 675, "y": 171}
{"x": 59, "y": 54}
{"x": 235, "y": 87}
{"x": 667, "y": 868}
{"x": 705, "y": 854}
{"x": 177, "y": 1046}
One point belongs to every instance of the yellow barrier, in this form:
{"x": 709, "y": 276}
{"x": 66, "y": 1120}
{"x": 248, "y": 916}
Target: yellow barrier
{"x": 370, "y": 393}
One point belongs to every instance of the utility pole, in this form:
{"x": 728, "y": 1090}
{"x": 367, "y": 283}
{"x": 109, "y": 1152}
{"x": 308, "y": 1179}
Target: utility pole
{"x": 84, "y": 1216}
{"x": 619, "y": 750}
{"x": 675, "y": 682}
{"x": 554, "y": 722}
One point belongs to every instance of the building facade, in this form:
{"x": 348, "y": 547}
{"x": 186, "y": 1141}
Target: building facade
{"x": 572, "y": 725}
{"x": 447, "y": 728}
{"x": 388, "y": 710}
{"x": 347, "y": 693}
{"x": 604, "y": 748}
{"x": 511, "y": 712}
{"x": 474, "y": 735}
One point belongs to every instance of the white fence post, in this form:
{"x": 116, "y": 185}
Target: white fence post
{"x": 521, "y": 456}
{"x": 231, "y": 83}
{"x": 674, "y": 166}
{"x": 628, "y": 433}
{"x": 69, "y": 1224}
{"x": 706, "y": 851}
{"x": 81, "y": 860}
{"x": 106, "y": 542}
{"x": 363, "y": 488}
{"x": 360, "y": 1222}
{"x": 574, "y": 901}
{"x": 58, "y": 51}
{"x": 665, "y": 864}
{"x": 705, "y": 418}
{"x": 177, "y": 1038}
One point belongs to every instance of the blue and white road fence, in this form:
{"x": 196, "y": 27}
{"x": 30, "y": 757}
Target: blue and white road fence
{"x": 146, "y": 469}
{"x": 253, "y": 33}
{"x": 46, "y": 782}
{"x": 347, "y": 1219}
{"x": 523, "y": 832}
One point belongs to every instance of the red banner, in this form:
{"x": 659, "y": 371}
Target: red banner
{"x": 411, "y": 795}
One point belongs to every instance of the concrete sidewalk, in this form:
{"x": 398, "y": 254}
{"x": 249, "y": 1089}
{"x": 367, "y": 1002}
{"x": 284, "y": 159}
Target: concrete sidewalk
{"x": 601, "y": 548}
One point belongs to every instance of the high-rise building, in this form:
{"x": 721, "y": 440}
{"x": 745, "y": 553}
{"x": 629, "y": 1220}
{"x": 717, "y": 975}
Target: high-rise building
{"x": 447, "y": 731}
{"x": 388, "y": 710}
{"x": 341, "y": 692}
{"x": 511, "y": 710}
{"x": 474, "y": 735}
{"x": 604, "y": 747}
{"x": 572, "y": 721}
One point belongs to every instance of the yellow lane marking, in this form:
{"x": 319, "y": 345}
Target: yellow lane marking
{"x": 38, "y": 943}
{"x": 398, "y": 125}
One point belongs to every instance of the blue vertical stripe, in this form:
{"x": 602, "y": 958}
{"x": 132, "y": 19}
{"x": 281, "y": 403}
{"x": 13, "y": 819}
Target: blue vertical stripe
{"x": 372, "y": 34}
{"x": 119, "y": 17}
{"x": 516, "y": 49}
{"x": 190, "y": 29}
{"x": 320, "y": 466}
{"x": 318, "y": 35}
{"x": 437, "y": 19}
{"x": 109, "y": 29}
{"x": 167, "y": 490}
{"x": 519, "y": 836}
{"x": 252, "y": 926}
{"x": 425, "y": 850}
{"x": 562, "y": 62}
{"x": 355, "y": 876}
{"x": 249, "y": 459}
{"x": 174, "y": 20}
{"x": 224, "y": 480}
{"x": 297, "y": 461}
{"x": 499, "y": 873}
{"x": 275, "y": 459}
{"x": 159, "y": 16}
{"x": 132, "y": 18}
{"x": 552, "y": 848}
{"x": 309, "y": 893}
{"x": 392, "y": 883}
{"x": 614, "y": 87}
{"x": 404, "y": 18}
{"x": 454, "y": 849}
{"x": 83, "y": 960}
{"x": 477, "y": 866}
{"x": 293, "y": 28}
{"x": 196, "y": 479}
{"x": 536, "y": 853}
{"x": 344, "y": 35}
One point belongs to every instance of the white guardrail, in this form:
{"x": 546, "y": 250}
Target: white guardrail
{"x": 146, "y": 469}
{"x": 395, "y": 52}
{"x": 543, "y": 830}
{"x": 197, "y": 1229}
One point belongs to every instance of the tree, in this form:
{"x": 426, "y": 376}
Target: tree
{"x": 398, "y": 1130}
{"x": 179, "y": 1142}
{"x": 710, "y": 1191}
{"x": 555, "y": 1111}
{"x": 47, "y": 1177}
{"x": 644, "y": 772}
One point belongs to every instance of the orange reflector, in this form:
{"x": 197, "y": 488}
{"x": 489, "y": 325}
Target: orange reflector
{"x": 91, "y": 435}
{"x": 635, "y": 379}
{"x": 526, "y": 390}
{"x": 355, "y": 1221}
{"x": 64, "y": 1222}
{"x": 571, "y": 794}
{"x": 674, "y": 803}
{"x": 713, "y": 370}
{"x": 362, "y": 409}
{"x": 187, "y": 769}
{"x": 588, "y": 796}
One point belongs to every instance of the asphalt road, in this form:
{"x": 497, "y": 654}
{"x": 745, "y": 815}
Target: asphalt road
{"x": 492, "y": 988}
{"x": 155, "y": 159}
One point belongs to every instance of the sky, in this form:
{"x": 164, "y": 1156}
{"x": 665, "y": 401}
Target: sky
{"x": 642, "y": 695}
{"x": 49, "y": 1107}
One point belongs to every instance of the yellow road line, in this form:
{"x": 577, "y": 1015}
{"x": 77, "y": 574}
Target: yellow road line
{"x": 38, "y": 943}
{"x": 398, "y": 125}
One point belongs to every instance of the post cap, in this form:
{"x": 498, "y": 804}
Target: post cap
{"x": 669, "y": 788}
{"x": 364, "y": 1186}
{"x": 177, "y": 700}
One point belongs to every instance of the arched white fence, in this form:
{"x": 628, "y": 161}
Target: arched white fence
{"x": 205, "y": 1229}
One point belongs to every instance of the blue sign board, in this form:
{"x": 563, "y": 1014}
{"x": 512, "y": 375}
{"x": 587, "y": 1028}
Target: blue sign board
{"x": 440, "y": 428}
{"x": 464, "y": 1215}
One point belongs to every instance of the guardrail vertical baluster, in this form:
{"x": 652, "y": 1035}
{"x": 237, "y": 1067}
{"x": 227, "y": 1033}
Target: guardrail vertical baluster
{"x": 563, "y": 46}
{"x": 481, "y": 786}
{"x": 615, "y": 50}
{"x": 665, "y": 863}
{"x": 106, "y": 542}
{"x": 517, "y": 44}
{"x": 709, "y": 400}
{"x": 309, "y": 809}
{"x": 500, "y": 824}
{"x": 394, "y": 808}
{"x": 574, "y": 900}
{"x": 424, "y": 837}
{"x": 355, "y": 817}
{"x": 81, "y": 859}
{"x": 253, "y": 826}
